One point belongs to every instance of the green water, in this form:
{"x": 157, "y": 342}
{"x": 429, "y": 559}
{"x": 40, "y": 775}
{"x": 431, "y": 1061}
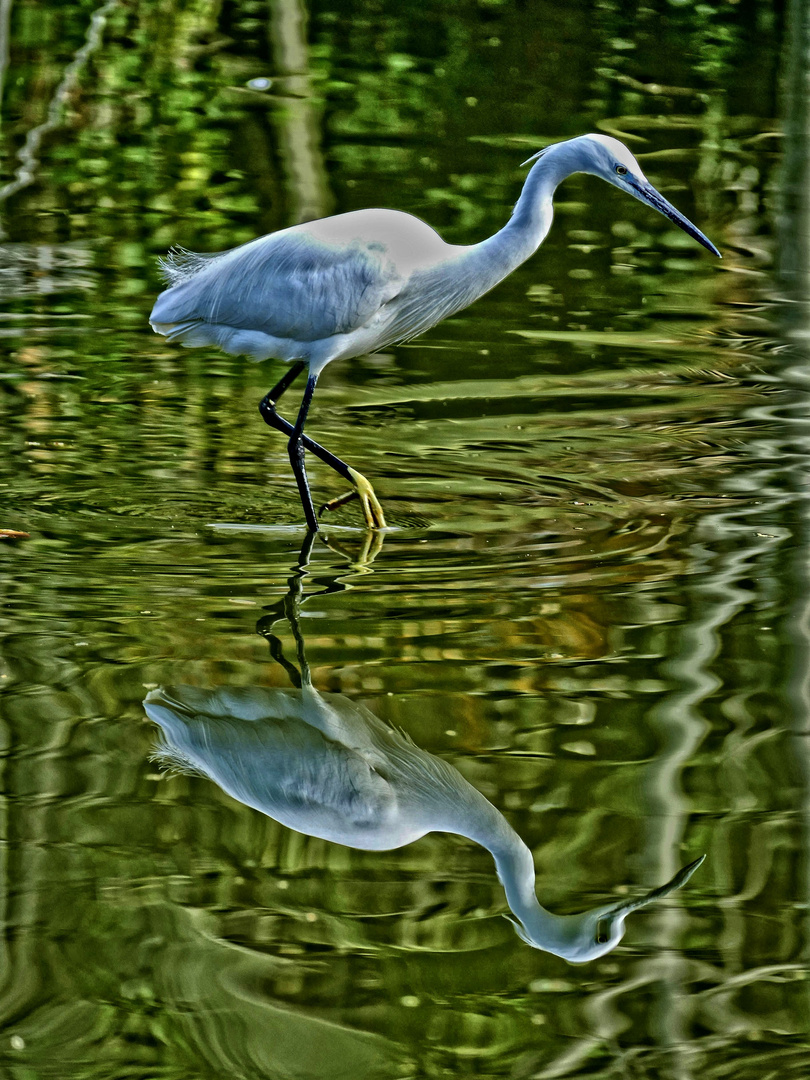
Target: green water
{"x": 594, "y": 600}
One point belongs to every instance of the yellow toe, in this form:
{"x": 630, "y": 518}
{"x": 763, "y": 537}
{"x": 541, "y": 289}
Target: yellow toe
{"x": 372, "y": 510}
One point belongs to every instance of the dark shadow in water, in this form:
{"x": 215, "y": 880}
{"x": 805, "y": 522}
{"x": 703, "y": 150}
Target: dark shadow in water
{"x": 327, "y": 767}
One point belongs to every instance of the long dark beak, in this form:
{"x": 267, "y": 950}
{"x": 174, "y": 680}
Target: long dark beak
{"x": 680, "y": 879}
{"x": 619, "y": 912}
{"x": 646, "y": 193}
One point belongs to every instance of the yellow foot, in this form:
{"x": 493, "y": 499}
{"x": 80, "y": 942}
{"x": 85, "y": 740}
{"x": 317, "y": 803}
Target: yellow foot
{"x": 372, "y": 510}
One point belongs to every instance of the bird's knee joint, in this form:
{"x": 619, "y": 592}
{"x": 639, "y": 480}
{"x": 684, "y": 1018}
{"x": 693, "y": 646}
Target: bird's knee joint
{"x": 295, "y": 446}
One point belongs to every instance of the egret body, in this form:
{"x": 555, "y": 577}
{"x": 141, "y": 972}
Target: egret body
{"x": 358, "y": 282}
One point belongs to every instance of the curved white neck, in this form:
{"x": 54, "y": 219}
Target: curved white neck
{"x": 534, "y": 209}
{"x": 496, "y": 257}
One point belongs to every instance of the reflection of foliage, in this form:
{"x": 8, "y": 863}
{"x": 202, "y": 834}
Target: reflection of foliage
{"x": 598, "y": 442}
{"x": 719, "y": 47}
{"x": 166, "y": 143}
{"x": 165, "y": 122}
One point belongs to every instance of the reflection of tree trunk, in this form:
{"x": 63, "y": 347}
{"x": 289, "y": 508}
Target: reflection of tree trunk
{"x": 28, "y": 854}
{"x": 794, "y": 266}
{"x": 794, "y": 191}
{"x": 295, "y": 118}
{"x": 5, "y": 23}
{"x": 28, "y": 155}
{"x": 5, "y": 876}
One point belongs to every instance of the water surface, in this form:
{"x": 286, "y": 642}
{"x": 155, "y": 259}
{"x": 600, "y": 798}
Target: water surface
{"x": 592, "y": 601}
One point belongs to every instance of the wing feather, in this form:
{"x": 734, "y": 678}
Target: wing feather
{"x": 288, "y": 285}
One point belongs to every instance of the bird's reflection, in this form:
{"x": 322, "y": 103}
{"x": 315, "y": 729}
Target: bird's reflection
{"x": 326, "y": 766}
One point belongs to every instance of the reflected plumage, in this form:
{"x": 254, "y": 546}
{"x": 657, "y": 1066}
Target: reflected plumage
{"x": 327, "y": 767}
{"x": 358, "y": 282}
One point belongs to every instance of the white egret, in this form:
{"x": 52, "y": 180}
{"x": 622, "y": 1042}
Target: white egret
{"x": 358, "y": 282}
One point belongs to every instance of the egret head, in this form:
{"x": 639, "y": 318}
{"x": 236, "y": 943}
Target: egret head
{"x": 612, "y": 161}
{"x": 603, "y": 156}
{"x": 584, "y": 937}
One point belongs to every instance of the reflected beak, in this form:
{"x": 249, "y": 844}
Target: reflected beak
{"x": 646, "y": 193}
{"x": 680, "y": 879}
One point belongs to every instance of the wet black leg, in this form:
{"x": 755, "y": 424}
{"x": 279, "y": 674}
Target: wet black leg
{"x": 299, "y": 442}
{"x": 295, "y": 448}
{"x": 267, "y": 408}
{"x": 289, "y": 377}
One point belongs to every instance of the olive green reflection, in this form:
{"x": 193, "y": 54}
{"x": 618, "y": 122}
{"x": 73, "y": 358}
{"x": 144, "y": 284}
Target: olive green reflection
{"x": 327, "y": 767}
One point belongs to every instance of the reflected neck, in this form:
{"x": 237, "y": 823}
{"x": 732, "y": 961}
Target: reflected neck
{"x": 561, "y": 935}
{"x": 515, "y": 865}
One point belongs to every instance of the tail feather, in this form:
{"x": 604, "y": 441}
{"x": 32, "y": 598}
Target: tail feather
{"x": 181, "y": 264}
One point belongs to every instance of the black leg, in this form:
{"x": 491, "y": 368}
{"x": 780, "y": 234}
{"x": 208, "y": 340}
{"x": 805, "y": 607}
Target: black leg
{"x": 285, "y": 382}
{"x": 299, "y": 442}
{"x": 295, "y": 448}
{"x": 267, "y": 408}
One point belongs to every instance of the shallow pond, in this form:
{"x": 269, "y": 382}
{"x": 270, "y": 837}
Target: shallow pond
{"x": 592, "y": 605}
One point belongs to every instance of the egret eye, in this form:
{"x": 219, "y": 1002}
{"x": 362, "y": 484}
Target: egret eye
{"x": 621, "y": 170}
{"x": 603, "y": 926}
